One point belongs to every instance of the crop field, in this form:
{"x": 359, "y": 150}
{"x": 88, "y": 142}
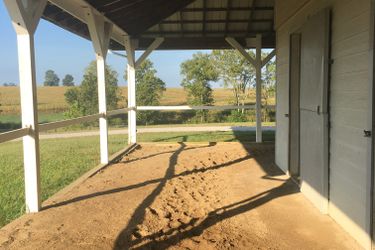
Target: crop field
{"x": 52, "y": 105}
{"x": 52, "y": 100}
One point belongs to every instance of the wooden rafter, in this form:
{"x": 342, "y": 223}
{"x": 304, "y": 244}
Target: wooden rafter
{"x": 181, "y": 15}
{"x": 128, "y": 16}
{"x": 204, "y": 17}
{"x": 217, "y": 21}
{"x": 225, "y": 9}
{"x": 137, "y": 16}
{"x": 251, "y": 17}
{"x": 227, "y": 17}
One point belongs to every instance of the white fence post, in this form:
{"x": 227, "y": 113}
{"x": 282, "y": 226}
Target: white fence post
{"x": 100, "y": 33}
{"x": 25, "y": 16}
{"x": 258, "y": 88}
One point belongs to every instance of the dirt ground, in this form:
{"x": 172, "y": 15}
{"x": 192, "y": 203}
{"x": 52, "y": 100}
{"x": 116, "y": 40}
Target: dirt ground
{"x": 181, "y": 196}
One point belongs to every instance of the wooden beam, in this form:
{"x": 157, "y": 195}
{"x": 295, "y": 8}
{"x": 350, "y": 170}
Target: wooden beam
{"x": 65, "y": 123}
{"x": 14, "y": 134}
{"x": 250, "y": 21}
{"x": 154, "y": 45}
{"x": 241, "y": 50}
{"x": 204, "y": 17}
{"x": 196, "y": 43}
{"x": 268, "y": 58}
{"x": 221, "y": 33}
{"x": 217, "y": 21}
{"x": 181, "y": 15}
{"x": 227, "y": 16}
{"x": 231, "y": 9}
{"x": 160, "y": 26}
{"x": 161, "y": 108}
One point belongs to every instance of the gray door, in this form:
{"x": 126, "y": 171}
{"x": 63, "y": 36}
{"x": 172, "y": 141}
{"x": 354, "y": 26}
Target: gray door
{"x": 294, "y": 106}
{"x": 314, "y": 109}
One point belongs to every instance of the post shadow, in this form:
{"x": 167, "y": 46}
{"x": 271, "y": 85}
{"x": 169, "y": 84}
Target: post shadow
{"x": 123, "y": 240}
{"x": 164, "y": 240}
{"x": 196, "y": 228}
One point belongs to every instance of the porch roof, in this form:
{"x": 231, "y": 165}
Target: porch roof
{"x": 185, "y": 24}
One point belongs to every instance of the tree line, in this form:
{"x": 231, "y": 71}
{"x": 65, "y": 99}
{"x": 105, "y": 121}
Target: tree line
{"x": 52, "y": 79}
{"x": 198, "y": 74}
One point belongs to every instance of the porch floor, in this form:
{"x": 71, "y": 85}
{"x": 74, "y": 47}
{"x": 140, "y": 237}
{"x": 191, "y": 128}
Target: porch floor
{"x": 182, "y": 196}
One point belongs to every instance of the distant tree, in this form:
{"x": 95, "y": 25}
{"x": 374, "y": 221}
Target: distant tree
{"x": 68, "y": 80}
{"x": 236, "y": 72}
{"x": 51, "y": 78}
{"x": 149, "y": 90}
{"x": 197, "y": 74}
{"x": 10, "y": 84}
{"x": 83, "y": 100}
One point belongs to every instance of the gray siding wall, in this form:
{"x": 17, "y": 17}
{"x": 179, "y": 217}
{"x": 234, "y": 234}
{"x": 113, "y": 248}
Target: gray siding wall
{"x": 349, "y": 105}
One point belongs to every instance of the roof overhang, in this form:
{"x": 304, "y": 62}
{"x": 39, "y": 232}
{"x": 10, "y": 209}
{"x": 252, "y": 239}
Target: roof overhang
{"x": 185, "y": 24}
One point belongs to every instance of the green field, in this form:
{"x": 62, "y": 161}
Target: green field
{"x": 64, "y": 160}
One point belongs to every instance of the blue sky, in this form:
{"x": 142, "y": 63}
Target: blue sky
{"x": 66, "y": 53}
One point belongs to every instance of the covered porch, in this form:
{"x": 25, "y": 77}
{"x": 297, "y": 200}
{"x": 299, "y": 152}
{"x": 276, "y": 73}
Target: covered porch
{"x": 225, "y": 195}
{"x": 181, "y": 196}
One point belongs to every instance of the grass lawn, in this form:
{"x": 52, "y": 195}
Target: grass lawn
{"x": 64, "y": 160}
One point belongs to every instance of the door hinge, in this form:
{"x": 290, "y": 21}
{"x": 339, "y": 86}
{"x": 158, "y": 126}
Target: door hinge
{"x": 367, "y": 133}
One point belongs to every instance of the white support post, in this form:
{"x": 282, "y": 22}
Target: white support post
{"x": 258, "y": 64}
{"x": 100, "y": 33}
{"x": 132, "y": 115}
{"x": 25, "y": 16}
{"x": 132, "y": 66}
{"x": 103, "y": 122}
{"x": 258, "y": 90}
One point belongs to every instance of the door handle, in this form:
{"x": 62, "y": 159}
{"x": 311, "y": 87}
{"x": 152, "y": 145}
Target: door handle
{"x": 286, "y": 115}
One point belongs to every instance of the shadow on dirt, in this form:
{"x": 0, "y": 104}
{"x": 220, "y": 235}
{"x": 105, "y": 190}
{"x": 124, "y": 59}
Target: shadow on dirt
{"x": 262, "y": 153}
